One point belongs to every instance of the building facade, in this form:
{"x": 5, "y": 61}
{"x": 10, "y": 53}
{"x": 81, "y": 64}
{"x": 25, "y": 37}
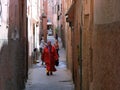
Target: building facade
{"x": 33, "y": 28}
{"x": 94, "y": 32}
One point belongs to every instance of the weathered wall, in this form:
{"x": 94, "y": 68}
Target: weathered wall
{"x": 86, "y": 45}
{"x": 72, "y": 34}
{"x": 68, "y": 37}
{"x": 106, "y": 57}
{"x": 100, "y": 48}
{"x": 85, "y": 53}
{"x": 76, "y": 44}
{"x": 106, "y": 45}
{"x": 13, "y": 48}
{"x": 4, "y": 45}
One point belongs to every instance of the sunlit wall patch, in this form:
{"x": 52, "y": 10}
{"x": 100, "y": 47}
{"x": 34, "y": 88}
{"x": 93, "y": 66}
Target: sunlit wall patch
{"x": 0, "y": 12}
{"x": 0, "y": 8}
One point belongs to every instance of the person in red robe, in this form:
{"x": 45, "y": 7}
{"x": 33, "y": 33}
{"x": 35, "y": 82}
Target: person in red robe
{"x": 49, "y": 56}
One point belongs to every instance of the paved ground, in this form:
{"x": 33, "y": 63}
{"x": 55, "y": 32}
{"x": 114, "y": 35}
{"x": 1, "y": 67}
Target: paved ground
{"x": 60, "y": 80}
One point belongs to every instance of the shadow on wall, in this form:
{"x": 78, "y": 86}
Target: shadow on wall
{"x": 11, "y": 66}
{"x": 4, "y": 65}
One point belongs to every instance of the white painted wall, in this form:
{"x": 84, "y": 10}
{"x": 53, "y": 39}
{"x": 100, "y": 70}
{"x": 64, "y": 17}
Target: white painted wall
{"x": 4, "y": 22}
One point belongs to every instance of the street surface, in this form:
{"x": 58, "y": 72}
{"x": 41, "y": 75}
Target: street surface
{"x": 60, "y": 80}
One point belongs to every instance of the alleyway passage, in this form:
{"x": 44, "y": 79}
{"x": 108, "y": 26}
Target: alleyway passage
{"x": 60, "y": 80}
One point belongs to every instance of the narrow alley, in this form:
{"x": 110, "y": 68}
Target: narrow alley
{"x": 60, "y": 80}
{"x": 86, "y": 33}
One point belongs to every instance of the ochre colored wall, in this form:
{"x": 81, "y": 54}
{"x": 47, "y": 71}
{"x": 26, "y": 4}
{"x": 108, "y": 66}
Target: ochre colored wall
{"x": 106, "y": 57}
{"x": 106, "y": 45}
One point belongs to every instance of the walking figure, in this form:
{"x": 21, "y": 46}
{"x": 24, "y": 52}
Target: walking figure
{"x": 56, "y": 45}
{"x": 56, "y": 36}
{"x": 50, "y": 57}
{"x": 42, "y": 45}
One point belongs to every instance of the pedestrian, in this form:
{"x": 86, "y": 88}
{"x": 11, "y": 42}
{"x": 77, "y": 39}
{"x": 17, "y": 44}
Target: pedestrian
{"x": 42, "y": 45}
{"x": 56, "y": 45}
{"x": 56, "y": 36}
{"x": 34, "y": 55}
{"x": 50, "y": 57}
